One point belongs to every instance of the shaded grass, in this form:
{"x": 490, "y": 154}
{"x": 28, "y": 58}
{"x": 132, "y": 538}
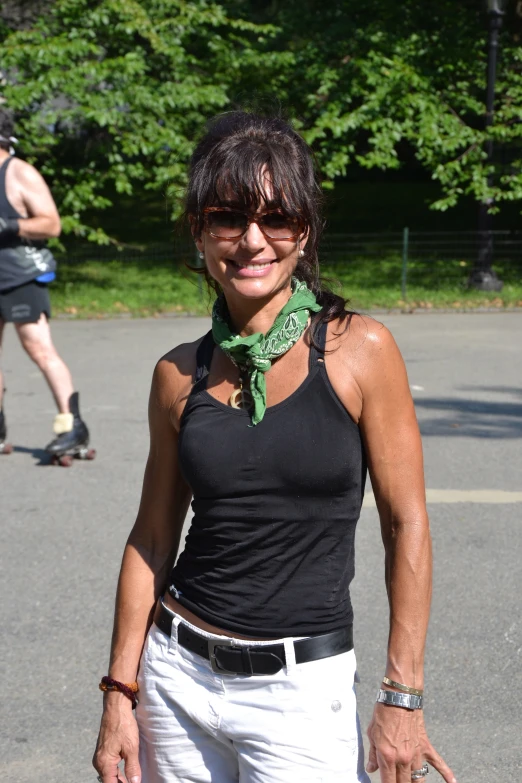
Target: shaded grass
{"x": 93, "y": 289}
{"x": 430, "y": 284}
{"x": 139, "y": 288}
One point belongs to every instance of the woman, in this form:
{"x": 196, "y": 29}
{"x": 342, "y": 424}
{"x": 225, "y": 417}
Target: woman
{"x": 245, "y": 664}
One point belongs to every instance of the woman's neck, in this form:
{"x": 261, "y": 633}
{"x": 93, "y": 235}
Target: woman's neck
{"x": 249, "y": 316}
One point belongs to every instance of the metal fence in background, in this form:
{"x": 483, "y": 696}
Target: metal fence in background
{"x": 440, "y": 245}
{"x": 179, "y": 251}
{"x": 405, "y": 259}
{"x": 422, "y": 260}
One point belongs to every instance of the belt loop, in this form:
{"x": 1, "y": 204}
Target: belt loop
{"x": 173, "y": 644}
{"x": 290, "y": 664}
{"x": 246, "y": 660}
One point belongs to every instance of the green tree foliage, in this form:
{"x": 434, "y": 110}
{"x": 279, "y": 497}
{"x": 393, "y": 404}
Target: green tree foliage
{"x": 376, "y": 82}
{"x": 110, "y": 95}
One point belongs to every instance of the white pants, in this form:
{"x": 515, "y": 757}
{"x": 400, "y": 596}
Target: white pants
{"x": 196, "y": 726}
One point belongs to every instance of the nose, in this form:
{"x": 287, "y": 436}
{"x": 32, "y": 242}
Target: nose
{"x": 253, "y": 239}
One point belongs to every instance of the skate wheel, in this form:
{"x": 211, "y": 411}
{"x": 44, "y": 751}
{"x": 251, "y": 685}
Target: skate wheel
{"x": 6, "y": 448}
{"x": 85, "y": 453}
{"x": 65, "y": 461}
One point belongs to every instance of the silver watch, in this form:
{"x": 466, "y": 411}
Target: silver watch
{"x": 406, "y": 700}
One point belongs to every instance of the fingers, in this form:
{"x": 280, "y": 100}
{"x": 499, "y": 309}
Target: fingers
{"x": 107, "y": 768}
{"x": 108, "y": 773}
{"x": 417, "y": 762}
{"x": 132, "y": 770}
{"x": 403, "y": 773}
{"x": 115, "y": 775}
{"x": 397, "y": 759}
{"x": 372, "y": 765}
{"x": 108, "y": 777}
{"x": 436, "y": 761}
{"x": 392, "y": 771}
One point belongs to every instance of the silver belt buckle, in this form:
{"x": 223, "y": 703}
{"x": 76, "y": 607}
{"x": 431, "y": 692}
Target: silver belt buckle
{"x": 212, "y": 644}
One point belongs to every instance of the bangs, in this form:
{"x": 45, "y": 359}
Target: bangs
{"x": 251, "y": 176}
{"x": 254, "y": 181}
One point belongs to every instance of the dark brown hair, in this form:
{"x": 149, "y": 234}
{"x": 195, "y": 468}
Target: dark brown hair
{"x": 231, "y": 158}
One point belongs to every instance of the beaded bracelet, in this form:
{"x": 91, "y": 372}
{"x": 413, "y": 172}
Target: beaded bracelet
{"x": 401, "y": 687}
{"x": 128, "y": 689}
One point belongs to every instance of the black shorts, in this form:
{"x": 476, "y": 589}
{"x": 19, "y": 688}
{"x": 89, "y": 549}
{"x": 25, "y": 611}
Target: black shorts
{"x": 25, "y": 303}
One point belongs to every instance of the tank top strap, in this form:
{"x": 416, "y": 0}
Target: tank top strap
{"x": 203, "y": 361}
{"x": 319, "y": 337}
{"x": 5, "y": 207}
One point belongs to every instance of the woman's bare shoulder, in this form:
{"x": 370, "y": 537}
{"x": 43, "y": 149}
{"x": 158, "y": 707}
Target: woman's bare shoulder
{"x": 173, "y": 376}
{"x": 360, "y": 336}
{"x": 179, "y": 361}
{"x": 362, "y": 356}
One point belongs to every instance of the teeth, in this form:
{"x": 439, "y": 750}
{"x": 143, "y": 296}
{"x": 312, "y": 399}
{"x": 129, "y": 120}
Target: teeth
{"x": 253, "y": 266}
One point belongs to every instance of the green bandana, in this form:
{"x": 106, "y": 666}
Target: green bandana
{"x": 254, "y": 354}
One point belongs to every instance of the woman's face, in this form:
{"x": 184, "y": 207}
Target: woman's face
{"x": 251, "y": 266}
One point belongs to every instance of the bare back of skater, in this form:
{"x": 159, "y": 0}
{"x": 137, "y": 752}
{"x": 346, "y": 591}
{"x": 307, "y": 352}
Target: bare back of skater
{"x": 28, "y": 216}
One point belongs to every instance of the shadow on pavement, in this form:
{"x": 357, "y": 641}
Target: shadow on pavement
{"x": 516, "y": 391}
{"x": 471, "y": 418}
{"x": 37, "y": 453}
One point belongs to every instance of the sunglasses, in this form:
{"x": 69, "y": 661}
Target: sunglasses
{"x": 228, "y": 223}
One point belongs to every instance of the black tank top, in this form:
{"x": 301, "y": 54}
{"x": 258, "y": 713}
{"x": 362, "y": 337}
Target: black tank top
{"x": 17, "y": 265}
{"x": 270, "y": 551}
{"x": 6, "y": 208}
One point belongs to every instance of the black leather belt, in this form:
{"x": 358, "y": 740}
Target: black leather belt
{"x": 227, "y": 657}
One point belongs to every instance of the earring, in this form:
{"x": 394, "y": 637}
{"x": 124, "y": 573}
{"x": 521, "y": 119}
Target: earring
{"x": 301, "y": 253}
{"x": 201, "y": 256}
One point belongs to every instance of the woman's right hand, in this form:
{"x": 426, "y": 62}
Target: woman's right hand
{"x": 118, "y": 739}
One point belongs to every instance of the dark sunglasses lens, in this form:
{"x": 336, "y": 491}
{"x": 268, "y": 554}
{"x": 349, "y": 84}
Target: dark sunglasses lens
{"x": 278, "y": 225}
{"x": 227, "y": 222}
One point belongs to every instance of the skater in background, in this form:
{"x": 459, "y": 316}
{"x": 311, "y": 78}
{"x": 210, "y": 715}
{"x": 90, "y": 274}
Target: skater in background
{"x": 28, "y": 215}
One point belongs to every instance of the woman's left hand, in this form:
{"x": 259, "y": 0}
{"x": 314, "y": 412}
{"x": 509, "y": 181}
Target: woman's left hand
{"x": 399, "y": 744}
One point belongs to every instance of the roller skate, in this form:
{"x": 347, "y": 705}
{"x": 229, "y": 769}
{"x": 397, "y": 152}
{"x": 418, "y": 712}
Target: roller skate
{"x": 5, "y": 448}
{"x": 72, "y": 437}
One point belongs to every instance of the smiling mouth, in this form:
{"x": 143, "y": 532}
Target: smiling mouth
{"x": 248, "y": 265}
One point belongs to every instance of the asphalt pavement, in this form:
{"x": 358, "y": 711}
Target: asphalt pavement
{"x": 63, "y": 532}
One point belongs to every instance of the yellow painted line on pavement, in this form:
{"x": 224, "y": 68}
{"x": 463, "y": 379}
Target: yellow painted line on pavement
{"x": 491, "y": 496}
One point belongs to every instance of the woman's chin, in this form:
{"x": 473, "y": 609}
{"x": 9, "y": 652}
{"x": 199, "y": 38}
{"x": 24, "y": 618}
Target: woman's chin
{"x": 250, "y": 289}
{"x": 253, "y": 289}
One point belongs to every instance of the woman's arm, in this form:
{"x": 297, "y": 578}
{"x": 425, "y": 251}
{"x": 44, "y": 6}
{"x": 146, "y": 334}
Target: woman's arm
{"x": 398, "y": 740}
{"x": 148, "y": 557}
{"x": 41, "y": 220}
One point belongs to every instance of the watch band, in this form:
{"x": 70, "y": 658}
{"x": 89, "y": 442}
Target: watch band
{"x": 406, "y": 700}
